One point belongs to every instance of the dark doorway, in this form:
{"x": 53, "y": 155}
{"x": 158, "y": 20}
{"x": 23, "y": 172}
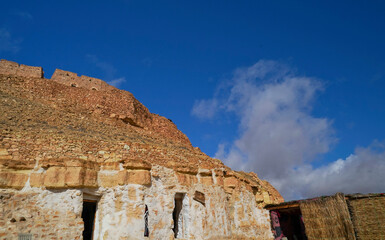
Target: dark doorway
{"x": 291, "y": 223}
{"x": 88, "y": 215}
{"x": 178, "y": 204}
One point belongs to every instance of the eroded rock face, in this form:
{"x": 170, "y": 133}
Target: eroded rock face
{"x": 61, "y": 145}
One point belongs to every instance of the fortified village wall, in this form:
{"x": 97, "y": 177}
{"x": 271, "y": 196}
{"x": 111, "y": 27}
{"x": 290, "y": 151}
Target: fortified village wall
{"x": 13, "y": 68}
{"x": 64, "y": 77}
{"x": 73, "y": 80}
{"x": 73, "y": 167}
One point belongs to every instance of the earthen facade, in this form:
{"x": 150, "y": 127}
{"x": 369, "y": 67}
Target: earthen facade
{"x": 64, "y": 144}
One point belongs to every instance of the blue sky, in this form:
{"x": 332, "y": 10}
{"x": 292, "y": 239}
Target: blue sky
{"x": 187, "y": 60}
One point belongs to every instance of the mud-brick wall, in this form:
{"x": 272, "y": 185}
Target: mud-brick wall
{"x": 45, "y": 215}
{"x": 13, "y": 68}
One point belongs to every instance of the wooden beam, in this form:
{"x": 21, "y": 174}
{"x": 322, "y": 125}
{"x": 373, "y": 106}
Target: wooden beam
{"x": 292, "y": 205}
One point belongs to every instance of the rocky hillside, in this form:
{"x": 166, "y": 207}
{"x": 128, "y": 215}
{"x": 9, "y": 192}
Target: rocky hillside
{"x": 54, "y": 123}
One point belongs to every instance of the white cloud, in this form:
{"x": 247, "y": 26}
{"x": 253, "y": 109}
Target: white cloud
{"x": 279, "y": 137}
{"x": 7, "y": 42}
{"x": 361, "y": 172}
{"x": 205, "y": 109}
{"x": 117, "y": 82}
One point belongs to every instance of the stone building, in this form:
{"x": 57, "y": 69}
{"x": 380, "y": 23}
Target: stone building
{"x": 80, "y": 159}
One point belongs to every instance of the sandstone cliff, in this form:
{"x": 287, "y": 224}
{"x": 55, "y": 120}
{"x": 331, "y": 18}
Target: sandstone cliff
{"x": 72, "y": 133}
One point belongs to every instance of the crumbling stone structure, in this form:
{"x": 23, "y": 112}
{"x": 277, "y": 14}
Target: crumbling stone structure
{"x": 73, "y": 80}
{"x": 77, "y": 163}
{"x": 13, "y": 68}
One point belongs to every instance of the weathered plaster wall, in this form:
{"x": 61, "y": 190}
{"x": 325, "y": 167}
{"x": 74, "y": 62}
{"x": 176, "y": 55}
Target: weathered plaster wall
{"x": 43, "y": 213}
{"x": 227, "y": 213}
{"x": 232, "y": 209}
{"x": 13, "y": 68}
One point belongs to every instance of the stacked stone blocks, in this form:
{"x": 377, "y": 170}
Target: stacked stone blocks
{"x": 72, "y": 79}
{"x": 13, "y": 68}
{"x": 49, "y": 167}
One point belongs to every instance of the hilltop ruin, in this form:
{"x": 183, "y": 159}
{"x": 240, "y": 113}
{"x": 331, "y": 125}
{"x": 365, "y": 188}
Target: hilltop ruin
{"x": 80, "y": 159}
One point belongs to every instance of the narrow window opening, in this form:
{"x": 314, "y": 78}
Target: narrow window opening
{"x": 73, "y": 85}
{"x": 177, "y": 216}
{"x": 93, "y": 88}
{"x": 88, "y": 215}
{"x": 25, "y": 236}
{"x": 146, "y": 232}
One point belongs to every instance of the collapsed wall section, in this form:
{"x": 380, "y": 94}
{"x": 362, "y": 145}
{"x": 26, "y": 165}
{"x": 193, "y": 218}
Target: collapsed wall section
{"x": 73, "y": 80}
{"x": 60, "y": 76}
{"x": 13, "y": 68}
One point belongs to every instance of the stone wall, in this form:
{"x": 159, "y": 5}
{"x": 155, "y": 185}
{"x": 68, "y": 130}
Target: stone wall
{"x": 42, "y": 213}
{"x": 73, "y": 80}
{"x": 231, "y": 207}
{"x": 64, "y": 77}
{"x": 13, "y": 68}
{"x": 53, "y": 211}
{"x": 61, "y": 146}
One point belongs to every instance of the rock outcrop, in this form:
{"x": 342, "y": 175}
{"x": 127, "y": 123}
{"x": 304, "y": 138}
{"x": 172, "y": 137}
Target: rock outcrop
{"x": 69, "y": 140}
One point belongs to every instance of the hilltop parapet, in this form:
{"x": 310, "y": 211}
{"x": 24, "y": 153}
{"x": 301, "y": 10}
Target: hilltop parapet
{"x": 13, "y": 68}
{"x": 60, "y": 76}
{"x": 73, "y": 80}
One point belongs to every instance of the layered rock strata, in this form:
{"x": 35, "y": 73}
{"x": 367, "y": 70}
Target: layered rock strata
{"x": 69, "y": 140}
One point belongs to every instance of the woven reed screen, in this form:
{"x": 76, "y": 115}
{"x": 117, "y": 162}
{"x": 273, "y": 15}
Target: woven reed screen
{"x": 368, "y": 215}
{"x": 327, "y": 218}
